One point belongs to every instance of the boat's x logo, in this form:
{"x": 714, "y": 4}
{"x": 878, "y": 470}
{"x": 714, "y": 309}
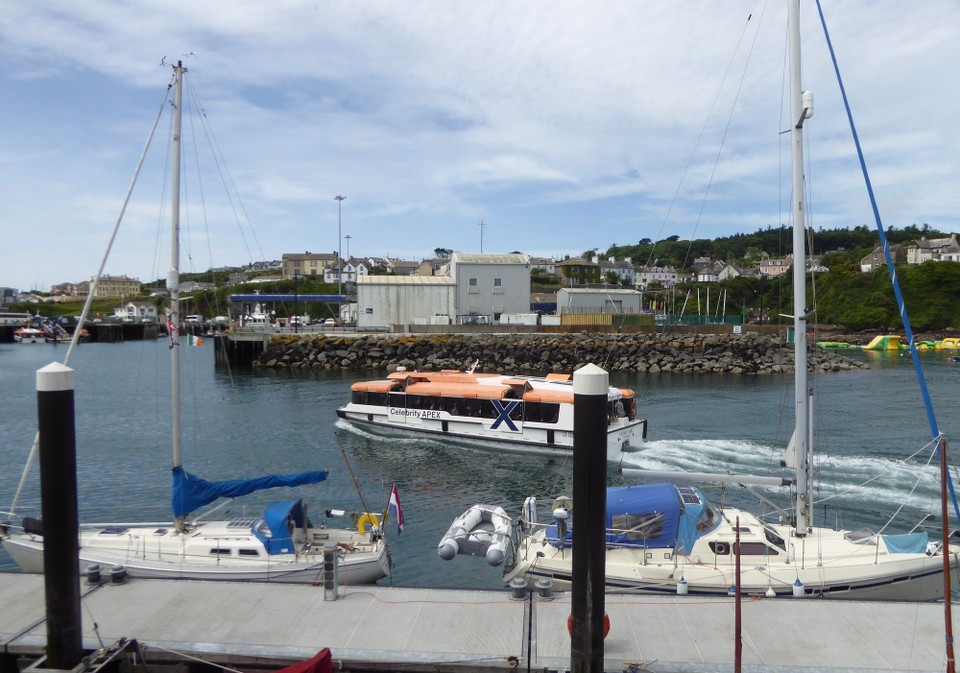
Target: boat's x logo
{"x": 504, "y": 414}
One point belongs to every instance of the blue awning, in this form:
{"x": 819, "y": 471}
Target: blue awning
{"x": 280, "y": 519}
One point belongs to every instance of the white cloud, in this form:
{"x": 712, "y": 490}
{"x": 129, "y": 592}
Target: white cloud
{"x": 564, "y": 125}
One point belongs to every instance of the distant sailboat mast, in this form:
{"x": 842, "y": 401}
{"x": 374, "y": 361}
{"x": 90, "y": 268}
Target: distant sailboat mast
{"x": 801, "y": 108}
{"x": 173, "y": 276}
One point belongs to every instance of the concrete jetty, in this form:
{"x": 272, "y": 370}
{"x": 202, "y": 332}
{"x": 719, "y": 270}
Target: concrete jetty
{"x": 384, "y": 628}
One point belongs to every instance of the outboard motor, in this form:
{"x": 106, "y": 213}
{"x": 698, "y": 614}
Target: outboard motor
{"x": 560, "y": 516}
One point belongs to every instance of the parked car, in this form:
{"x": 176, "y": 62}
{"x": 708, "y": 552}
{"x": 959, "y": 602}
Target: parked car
{"x": 193, "y": 318}
{"x": 329, "y": 322}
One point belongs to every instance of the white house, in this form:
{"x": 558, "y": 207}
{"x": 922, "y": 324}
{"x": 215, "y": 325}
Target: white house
{"x": 136, "y": 311}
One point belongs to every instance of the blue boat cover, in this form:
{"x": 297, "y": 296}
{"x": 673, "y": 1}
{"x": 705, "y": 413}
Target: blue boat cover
{"x": 280, "y": 518}
{"x": 908, "y": 543}
{"x": 191, "y": 493}
{"x": 647, "y": 516}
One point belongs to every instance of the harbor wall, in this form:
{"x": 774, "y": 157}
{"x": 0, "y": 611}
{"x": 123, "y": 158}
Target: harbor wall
{"x": 741, "y": 354}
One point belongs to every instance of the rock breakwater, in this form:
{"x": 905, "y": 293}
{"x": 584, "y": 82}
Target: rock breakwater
{"x": 742, "y": 354}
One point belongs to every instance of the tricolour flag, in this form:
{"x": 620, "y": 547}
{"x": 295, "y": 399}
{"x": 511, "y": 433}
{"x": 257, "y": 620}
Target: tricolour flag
{"x": 394, "y": 508}
{"x": 194, "y": 340}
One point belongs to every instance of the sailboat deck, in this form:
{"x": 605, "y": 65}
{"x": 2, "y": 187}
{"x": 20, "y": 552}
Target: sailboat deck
{"x": 419, "y": 629}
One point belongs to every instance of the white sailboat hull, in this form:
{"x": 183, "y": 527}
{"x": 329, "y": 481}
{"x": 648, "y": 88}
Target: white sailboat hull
{"x": 198, "y": 555}
{"x": 826, "y": 563}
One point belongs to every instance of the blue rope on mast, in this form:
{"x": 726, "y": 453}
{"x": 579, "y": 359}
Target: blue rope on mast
{"x": 914, "y": 354}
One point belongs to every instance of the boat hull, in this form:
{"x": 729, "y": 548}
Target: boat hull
{"x": 626, "y": 438}
{"x": 352, "y": 568}
{"x": 914, "y": 580}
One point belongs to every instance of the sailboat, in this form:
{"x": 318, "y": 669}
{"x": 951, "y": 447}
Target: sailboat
{"x": 668, "y": 538}
{"x": 282, "y": 545}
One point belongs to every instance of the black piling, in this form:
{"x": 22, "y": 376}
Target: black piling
{"x": 58, "y": 493}
{"x": 590, "y": 386}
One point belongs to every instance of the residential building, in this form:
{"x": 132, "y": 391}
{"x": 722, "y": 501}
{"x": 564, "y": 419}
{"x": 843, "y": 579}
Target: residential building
{"x": 658, "y": 276}
{"x": 576, "y": 271}
{"x": 136, "y": 311}
{"x": 111, "y": 286}
{"x": 771, "y": 268}
{"x": 308, "y": 264}
{"x": 623, "y": 270}
{"x": 933, "y": 250}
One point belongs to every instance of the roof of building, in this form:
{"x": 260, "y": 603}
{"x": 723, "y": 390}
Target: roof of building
{"x": 405, "y": 280}
{"x": 489, "y": 258}
{"x": 597, "y": 290}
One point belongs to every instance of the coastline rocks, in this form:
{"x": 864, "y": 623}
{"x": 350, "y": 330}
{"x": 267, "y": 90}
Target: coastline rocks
{"x": 739, "y": 354}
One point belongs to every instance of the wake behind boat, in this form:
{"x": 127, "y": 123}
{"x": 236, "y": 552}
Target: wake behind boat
{"x": 282, "y": 545}
{"x": 519, "y": 413}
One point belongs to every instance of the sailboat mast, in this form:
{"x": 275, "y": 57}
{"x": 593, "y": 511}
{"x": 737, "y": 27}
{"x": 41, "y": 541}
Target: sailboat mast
{"x": 799, "y": 111}
{"x": 173, "y": 276}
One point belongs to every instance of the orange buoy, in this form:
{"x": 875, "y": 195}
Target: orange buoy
{"x": 606, "y": 625}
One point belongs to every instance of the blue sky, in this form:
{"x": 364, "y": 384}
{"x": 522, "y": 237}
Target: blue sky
{"x": 563, "y": 126}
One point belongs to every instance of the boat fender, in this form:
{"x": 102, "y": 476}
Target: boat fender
{"x": 367, "y": 519}
{"x": 798, "y": 589}
{"x": 560, "y": 514}
{"x": 563, "y": 502}
{"x": 682, "y": 587}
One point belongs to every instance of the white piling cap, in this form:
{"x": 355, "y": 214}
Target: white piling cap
{"x": 591, "y": 380}
{"x": 54, "y": 378}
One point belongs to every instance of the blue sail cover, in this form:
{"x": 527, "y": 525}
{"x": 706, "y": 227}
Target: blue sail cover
{"x": 191, "y": 493}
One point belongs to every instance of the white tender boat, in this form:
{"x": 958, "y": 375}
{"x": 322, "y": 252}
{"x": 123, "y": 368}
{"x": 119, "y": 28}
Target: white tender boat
{"x": 483, "y": 530}
{"x": 519, "y": 413}
{"x": 29, "y": 335}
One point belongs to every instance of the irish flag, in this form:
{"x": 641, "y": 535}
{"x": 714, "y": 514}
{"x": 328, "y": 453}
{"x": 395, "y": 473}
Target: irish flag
{"x": 194, "y": 340}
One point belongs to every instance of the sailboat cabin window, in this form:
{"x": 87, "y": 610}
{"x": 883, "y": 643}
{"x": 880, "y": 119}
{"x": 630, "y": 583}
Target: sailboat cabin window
{"x": 638, "y": 527}
{"x": 756, "y": 549}
{"x": 218, "y": 551}
{"x": 248, "y": 552}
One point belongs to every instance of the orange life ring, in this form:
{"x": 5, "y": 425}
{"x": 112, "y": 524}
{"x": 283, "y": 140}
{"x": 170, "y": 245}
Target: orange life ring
{"x": 606, "y": 624}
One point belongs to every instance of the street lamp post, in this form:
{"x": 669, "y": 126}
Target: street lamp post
{"x": 347, "y": 239}
{"x": 296, "y": 303}
{"x": 339, "y": 200}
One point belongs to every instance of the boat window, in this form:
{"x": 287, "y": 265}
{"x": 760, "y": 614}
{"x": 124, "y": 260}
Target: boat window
{"x": 248, "y": 552}
{"x": 219, "y": 551}
{"x": 630, "y": 405}
{"x": 451, "y": 405}
{"x": 774, "y": 539}
{"x": 638, "y": 527}
{"x": 398, "y": 400}
{"x": 756, "y": 549}
{"x": 720, "y": 548}
{"x": 359, "y": 397}
{"x": 261, "y": 528}
{"x": 377, "y": 399}
{"x": 708, "y": 518}
{"x": 541, "y": 412}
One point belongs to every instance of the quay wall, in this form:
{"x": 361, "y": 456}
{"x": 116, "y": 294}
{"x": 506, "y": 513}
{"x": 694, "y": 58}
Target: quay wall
{"x": 741, "y": 354}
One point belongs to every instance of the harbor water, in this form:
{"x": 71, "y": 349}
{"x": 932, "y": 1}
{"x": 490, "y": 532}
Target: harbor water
{"x": 238, "y": 424}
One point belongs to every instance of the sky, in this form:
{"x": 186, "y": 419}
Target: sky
{"x": 546, "y": 127}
